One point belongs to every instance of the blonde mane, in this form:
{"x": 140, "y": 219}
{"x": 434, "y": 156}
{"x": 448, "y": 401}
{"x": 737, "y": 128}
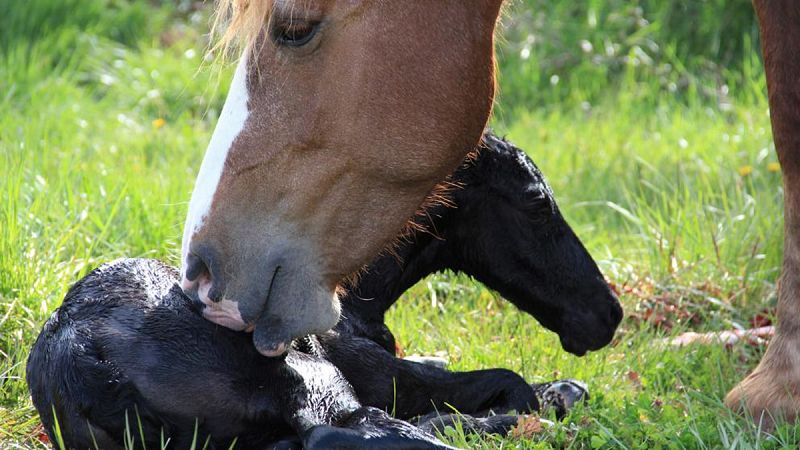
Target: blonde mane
{"x": 237, "y": 24}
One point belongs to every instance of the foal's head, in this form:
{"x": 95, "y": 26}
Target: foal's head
{"x": 508, "y": 232}
{"x": 341, "y": 118}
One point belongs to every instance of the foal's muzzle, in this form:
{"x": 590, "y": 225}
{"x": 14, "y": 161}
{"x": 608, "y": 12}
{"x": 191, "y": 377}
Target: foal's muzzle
{"x": 591, "y": 328}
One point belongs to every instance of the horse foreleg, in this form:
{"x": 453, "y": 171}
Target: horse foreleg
{"x": 773, "y": 389}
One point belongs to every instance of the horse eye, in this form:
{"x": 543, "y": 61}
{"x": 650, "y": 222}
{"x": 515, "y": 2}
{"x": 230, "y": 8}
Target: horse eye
{"x": 294, "y": 33}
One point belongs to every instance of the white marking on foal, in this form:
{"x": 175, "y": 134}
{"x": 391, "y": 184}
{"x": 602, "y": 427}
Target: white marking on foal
{"x": 230, "y": 124}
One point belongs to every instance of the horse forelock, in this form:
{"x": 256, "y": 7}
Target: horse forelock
{"x": 237, "y": 23}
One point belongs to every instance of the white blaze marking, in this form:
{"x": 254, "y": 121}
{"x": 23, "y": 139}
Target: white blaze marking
{"x": 230, "y": 124}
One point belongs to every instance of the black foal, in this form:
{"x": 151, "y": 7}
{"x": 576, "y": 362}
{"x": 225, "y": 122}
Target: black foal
{"x": 127, "y": 350}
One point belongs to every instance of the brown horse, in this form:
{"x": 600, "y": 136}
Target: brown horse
{"x": 773, "y": 389}
{"x": 281, "y": 212}
{"x": 342, "y": 117}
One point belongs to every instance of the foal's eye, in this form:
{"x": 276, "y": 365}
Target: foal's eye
{"x": 294, "y": 33}
{"x": 540, "y": 202}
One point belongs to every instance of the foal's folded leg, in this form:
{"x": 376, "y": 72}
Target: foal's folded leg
{"x": 412, "y": 389}
{"x": 558, "y": 396}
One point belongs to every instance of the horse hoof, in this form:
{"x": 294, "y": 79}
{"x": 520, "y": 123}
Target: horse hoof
{"x": 772, "y": 391}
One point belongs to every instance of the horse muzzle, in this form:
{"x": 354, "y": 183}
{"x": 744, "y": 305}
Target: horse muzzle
{"x": 278, "y": 297}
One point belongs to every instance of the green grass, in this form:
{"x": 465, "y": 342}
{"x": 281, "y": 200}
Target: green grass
{"x": 649, "y": 161}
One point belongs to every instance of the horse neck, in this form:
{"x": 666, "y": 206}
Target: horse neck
{"x": 491, "y": 8}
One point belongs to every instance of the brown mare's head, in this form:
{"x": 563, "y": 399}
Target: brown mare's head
{"x": 341, "y": 118}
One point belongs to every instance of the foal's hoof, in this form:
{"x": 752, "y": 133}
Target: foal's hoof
{"x": 560, "y": 396}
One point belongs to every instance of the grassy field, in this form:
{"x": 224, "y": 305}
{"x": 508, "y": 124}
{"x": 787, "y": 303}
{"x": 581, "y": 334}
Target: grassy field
{"x": 652, "y": 129}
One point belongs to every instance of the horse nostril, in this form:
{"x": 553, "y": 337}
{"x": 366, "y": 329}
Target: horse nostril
{"x": 200, "y": 275}
{"x": 195, "y": 267}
